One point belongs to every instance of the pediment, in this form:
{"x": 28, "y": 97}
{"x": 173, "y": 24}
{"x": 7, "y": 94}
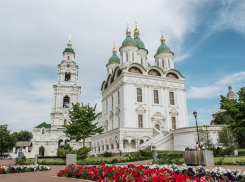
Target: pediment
{"x": 157, "y": 115}
{"x": 140, "y": 108}
{"x": 173, "y": 110}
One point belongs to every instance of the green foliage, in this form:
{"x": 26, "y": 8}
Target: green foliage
{"x": 81, "y": 126}
{"x": 23, "y": 135}
{"x": 145, "y": 153}
{"x": 221, "y": 118}
{"x": 82, "y": 153}
{"x": 218, "y": 151}
{"x": 227, "y": 137}
{"x": 236, "y": 111}
{"x": 204, "y": 137}
{"x": 7, "y": 141}
{"x": 107, "y": 154}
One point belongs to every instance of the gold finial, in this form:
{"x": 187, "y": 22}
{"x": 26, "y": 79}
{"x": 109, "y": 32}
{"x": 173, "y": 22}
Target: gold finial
{"x": 229, "y": 83}
{"x": 128, "y": 30}
{"x": 69, "y": 44}
{"x": 136, "y": 31}
{"x": 114, "y": 49}
{"x": 162, "y": 38}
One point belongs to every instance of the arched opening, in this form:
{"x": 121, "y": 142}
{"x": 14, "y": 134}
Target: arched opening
{"x": 128, "y": 145}
{"x": 66, "y": 102}
{"x": 157, "y": 127}
{"x": 119, "y": 73}
{"x": 112, "y": 146}
{"x": 59, "y": 142}
{"x": 65, "y": 122}
{"x": 117, "y": 145}
{"x": 67, "y": 76}
{"x": 99, "y": 149}
{"x": 141, "y": 141}
{"x": 41, "y": 151}
{"x": 172, "y": 75}
{"x": 105, "y": 85}
{"x": 107, "y": 147}
{"x": 134, "y": 70}
{"x": 43, "y": 131}
{"x": 154, "y": 73}
{"x": 102, "y": 147}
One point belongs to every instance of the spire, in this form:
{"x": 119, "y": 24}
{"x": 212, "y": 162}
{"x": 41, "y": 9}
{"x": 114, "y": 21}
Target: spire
{"x": 114, "y": 50}
{"x": 69, "y": 43}
{"x": 162, "y": 39}
{"x": 136, "y": 31}
{"x": 231, "y": 94}
{"x": 128, "y": 31}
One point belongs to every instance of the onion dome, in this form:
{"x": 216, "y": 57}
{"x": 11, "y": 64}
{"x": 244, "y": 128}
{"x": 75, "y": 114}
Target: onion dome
{"x": 163, "y": 47}
{"x": 114, "y": 58}
{"x": 149, "y": 64}
{"x": 139, "y": 43}
{"x": 129, "y": 40}
{"x": 69, "y": 50}
{"x": 69, "y": 45}
{"x": 136, "y": 31}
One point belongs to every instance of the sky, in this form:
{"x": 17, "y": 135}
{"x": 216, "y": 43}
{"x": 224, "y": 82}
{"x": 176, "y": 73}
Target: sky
{"x": 207, "y": 38}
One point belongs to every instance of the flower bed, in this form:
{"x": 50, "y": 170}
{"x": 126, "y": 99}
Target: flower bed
{"x": 22, "y": 169}
{"x": 154, "y": 173}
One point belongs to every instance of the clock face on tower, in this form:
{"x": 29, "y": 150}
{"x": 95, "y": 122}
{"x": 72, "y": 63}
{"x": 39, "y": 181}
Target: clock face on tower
{"x": 68, "y": 66}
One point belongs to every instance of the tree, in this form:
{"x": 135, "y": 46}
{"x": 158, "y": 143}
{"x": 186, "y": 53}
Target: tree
{"x": 23, "y": 135}
{"x": 81, "y": 125}
{"x": 7, "y": 141}
{"x": 204, "y": 137}
{"x": 235, "y": 109}
{"x": 226, "y": 137}
{"x": 221, "y": 118}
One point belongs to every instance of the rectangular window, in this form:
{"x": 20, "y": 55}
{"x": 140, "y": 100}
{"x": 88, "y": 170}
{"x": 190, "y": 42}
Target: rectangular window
{"x": 173, "y": 123}
{"x": 118, "y": 95}
{"x": 139, "y": 95}
{"x": 118, "y": 121}
{"x": 140, "y": 121}
{"x": 156, "y": 98}
{"x": 171, "y": 97}
{"x": 112, "y": 102}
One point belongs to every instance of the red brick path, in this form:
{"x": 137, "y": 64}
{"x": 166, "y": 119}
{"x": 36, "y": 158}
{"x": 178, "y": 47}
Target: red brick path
{"x": 47, "y": 176}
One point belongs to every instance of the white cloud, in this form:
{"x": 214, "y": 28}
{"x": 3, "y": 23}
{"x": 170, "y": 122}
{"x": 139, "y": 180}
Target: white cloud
{"x": 215, "y": 90}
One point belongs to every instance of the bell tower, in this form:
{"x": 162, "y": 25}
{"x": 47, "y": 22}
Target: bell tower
{"x": 66, "y": 91}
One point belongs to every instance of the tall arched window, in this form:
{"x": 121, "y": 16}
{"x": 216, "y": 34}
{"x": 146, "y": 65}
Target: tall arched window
{"x": 43, "y": 131}
{"x": 163, "y": 63}
{"x": 142, "y": 61}
{"x": 66, "y": 102}
{"x": 65, "y": 122}
{"x": 67, "y": 76}
{"x": 132, "y": 57}
{"x": 68, "y": 57}
{"x": 127, "y": 57}
{"x": 157, "y": 127}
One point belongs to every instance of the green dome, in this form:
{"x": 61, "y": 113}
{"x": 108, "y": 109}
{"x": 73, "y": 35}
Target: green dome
{"x": 128, "y": 41}
{"x": 163, "y": 48}
{"x": 149, "y": 64}
{"x": 69, "y": 50}
{"x": 139, "y": 43}
{"x": 114, "y": 59}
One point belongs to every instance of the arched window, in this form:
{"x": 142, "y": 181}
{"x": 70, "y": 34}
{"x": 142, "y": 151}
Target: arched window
{"x": 172, "y": 75}
{"x": 66, "y": 102}
{"x": 134, "y": 70}
{"x": 132, "y": 56}
{"x": 119, "y": 73}
{"x": 163, "y": 63}
{"x": 142, "y": 61}
{"x": 157, "y": 127}
{"x": 127, "y": 57}
{"x": 67, "y": 76}
{"x": 65, "y": 122}
{"x": 68, "y": 57}
{"x": 43, "y": 131}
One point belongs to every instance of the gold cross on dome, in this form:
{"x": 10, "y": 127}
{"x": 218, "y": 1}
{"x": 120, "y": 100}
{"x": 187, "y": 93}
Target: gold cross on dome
{"x": 127, "y": 25}
{"x": 114, "y": 45}
{"x": 162, "y": 33}
{"x": 136, "y": 24}
{"x": 70, "y": 37}
{"x": 229, "y": 82}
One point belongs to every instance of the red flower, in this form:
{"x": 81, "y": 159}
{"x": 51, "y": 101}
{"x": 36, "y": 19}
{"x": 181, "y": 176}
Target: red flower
{"x": 58, "y": 174}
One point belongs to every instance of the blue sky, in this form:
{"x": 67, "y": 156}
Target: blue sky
{"x": 207, "y": 38}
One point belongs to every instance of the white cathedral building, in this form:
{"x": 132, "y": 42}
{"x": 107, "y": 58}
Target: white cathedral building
{"x": 142, "y": 105}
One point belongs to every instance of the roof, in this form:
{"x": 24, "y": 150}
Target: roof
{"x": 114, "y": 59}
{"x": 129, "y": 40}
{"x": 69, "y": 50}
{"x": 163, "y": 48}
{"x": 43, "y": 125}
{"x": 139, "y": 43}
{"x": 23, "y": 144}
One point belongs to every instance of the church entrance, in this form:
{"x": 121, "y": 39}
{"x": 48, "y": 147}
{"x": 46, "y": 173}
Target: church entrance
{"x": 41, "y": 151}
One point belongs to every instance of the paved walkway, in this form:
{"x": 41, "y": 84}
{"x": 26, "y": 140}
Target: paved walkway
{"x": 48, "y": 176}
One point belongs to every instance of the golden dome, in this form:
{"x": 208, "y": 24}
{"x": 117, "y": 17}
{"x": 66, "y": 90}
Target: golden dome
{"x": 136, "y": 31}
{"x": 128, "y": 30}
{"x": 162, "y": 38}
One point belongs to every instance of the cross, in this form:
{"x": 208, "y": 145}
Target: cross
{"x": 114, "y": 45}
{"x": 162, "y": 33}
{"x": 229, "y": 82}
{"x": 70, "y": 37}
{"x": 136, "y": 24}
{"x": 127, "y": 25}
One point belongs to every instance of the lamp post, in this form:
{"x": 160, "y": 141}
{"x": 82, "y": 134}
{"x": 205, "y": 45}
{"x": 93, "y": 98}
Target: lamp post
{"x": 207, "y": 132}
{"x": 195, "y": 115}
{"x": 154, "y": 154}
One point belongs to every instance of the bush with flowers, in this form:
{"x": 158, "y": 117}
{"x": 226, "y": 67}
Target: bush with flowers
{"x": 22, "y": 169}
{"x": 153, "y": 173}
